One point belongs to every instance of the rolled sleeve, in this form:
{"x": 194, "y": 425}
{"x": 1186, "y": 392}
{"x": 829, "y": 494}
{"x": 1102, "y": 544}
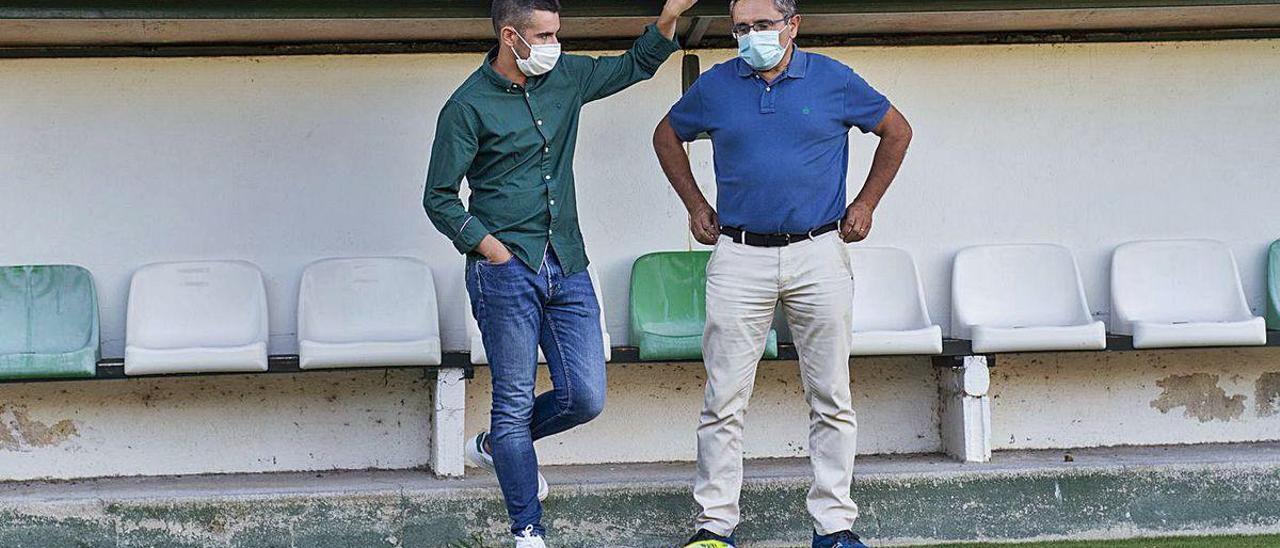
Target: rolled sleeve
{"x": 864, "y": 107}
{"x": 653, "y": 49}
{"x": 452, "y": 152}
{"x": 688, "y": 116}
{"x": 608, "y": 75}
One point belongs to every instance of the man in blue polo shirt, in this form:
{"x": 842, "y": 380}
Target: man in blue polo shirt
{"x": 779, "y": 120}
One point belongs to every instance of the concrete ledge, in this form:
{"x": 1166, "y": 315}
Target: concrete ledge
{"x": 1092, "y": 493}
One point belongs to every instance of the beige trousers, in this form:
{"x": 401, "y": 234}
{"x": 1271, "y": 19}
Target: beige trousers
{"x": 813, "y": 281}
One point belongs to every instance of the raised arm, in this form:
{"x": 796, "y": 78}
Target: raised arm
{"x": 610, "y": 74}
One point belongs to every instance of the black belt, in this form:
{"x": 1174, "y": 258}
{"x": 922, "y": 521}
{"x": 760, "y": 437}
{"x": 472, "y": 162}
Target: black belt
{"x": 775, "y": 240}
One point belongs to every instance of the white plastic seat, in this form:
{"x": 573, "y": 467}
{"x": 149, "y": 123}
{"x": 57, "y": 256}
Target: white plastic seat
{"x": 1022, "y": 298}
{"x": 889, "y": 312}
{"x": 1177, "y": 293}
{"x": 194, "y": 317}
{"x": 478, "y": 356}
{"x": 363, "y": 312}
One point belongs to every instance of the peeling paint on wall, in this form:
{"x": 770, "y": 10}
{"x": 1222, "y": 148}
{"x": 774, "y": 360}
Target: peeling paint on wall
{"x": 19, "y": 432}
{"x": 7, "y": 441}
{"x": 1268, "y": 394}
{"x": 1200, "y": 396}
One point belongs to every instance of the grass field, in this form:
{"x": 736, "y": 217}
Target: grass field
{"x": 1183, "y": 542}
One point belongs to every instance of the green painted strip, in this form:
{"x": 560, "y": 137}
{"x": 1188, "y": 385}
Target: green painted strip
{"x": 446, "y": 9}
{"x": 988, "y": 507}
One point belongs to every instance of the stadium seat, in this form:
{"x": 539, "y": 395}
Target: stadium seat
{"x": 669, "y": 306}
{"x": 196, "y": 317}
{"x": 889, "y": 313}
{"x": 355, "y": 312}
{"x": 478, "y": 356}
{"x": 1175, "y": 293}
{"x": 1273, "y": 286}
{"x": 1022, "y": 298}
{"x": 48, "y": 322}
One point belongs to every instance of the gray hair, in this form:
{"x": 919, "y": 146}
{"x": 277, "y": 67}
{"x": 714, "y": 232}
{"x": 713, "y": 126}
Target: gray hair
{"x": 786, "y": 7}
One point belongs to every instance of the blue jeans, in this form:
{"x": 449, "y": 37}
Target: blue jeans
{"x": 519, "y": 310}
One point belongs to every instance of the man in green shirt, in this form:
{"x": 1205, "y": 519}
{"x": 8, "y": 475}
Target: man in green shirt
{"x": 511, "y": 130}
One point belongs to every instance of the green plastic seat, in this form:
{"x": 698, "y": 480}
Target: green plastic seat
{"x": 669, "y": 306}
{"x": 1273, "y": 286}
{"x": 48, "y": 322}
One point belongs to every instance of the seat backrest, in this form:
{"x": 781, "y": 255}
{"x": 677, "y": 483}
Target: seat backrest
{"x": 372, "y": 299}
{"x": 1273, "y": 286}
{"x": 668, "y": 286}
{"x": 1169, "y": 281}
{"x": 887, "y": 294}
{"x": 196, "y": 304}
{"x": 47, "y": 309}
{"x": 1017, "y": 285}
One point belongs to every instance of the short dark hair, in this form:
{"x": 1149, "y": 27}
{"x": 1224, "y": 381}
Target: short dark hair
{"x": 516, "y": 13}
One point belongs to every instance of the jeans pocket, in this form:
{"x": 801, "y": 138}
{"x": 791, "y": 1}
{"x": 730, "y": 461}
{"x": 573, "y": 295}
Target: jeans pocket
{"x": 486, "y": 262}
{"x": 483, "y": 266}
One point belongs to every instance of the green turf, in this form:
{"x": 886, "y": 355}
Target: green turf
{"x": 1181, "y": 542}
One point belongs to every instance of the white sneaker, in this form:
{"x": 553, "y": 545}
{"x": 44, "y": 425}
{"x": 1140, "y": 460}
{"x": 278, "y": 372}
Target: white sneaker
{"x": 480, "y": 458}
{"x": 528, "y": 540}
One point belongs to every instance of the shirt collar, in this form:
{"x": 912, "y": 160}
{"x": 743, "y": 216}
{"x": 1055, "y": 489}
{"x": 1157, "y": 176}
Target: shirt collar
{"x": 486, "y": 67}
{"x": 797, "y": 69}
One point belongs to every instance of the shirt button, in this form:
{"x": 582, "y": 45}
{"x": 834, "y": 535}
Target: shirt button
{"x": 549, "y": 231}
{"x": 547, "y": 177}
{"x": 546, "y": 149}
{"x": 553, "y": 202}
{"x": 768, "y": 89}
{"x": 539, "y": 122}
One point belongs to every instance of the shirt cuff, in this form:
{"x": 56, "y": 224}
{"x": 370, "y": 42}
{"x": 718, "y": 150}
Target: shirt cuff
{"x": 473, "y": 231}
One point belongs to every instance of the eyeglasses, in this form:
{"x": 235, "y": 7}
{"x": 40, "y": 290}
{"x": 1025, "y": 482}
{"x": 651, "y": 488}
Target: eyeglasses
{"x": 743, "y": 29}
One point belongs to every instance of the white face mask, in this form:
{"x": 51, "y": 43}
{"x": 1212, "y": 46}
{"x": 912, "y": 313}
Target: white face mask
{"x": 542, "y": 58}
{"x": 763, "y": 50}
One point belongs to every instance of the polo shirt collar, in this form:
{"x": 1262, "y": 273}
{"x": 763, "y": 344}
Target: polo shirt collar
{"x": 797, "y": 69}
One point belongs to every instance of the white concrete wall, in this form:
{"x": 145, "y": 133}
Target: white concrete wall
{"x": 312, "y": 421}
{"x": 652, "y": 411}
{"x": 1135, "y": 398}
{"x": 113, "y": 163}
{"x": 282, "y": 161}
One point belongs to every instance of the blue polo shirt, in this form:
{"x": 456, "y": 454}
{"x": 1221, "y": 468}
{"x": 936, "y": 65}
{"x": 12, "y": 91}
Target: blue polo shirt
{"x": 781, "y": 147}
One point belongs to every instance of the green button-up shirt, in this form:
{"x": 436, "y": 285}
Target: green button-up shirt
{"x": 515, "y": 144}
